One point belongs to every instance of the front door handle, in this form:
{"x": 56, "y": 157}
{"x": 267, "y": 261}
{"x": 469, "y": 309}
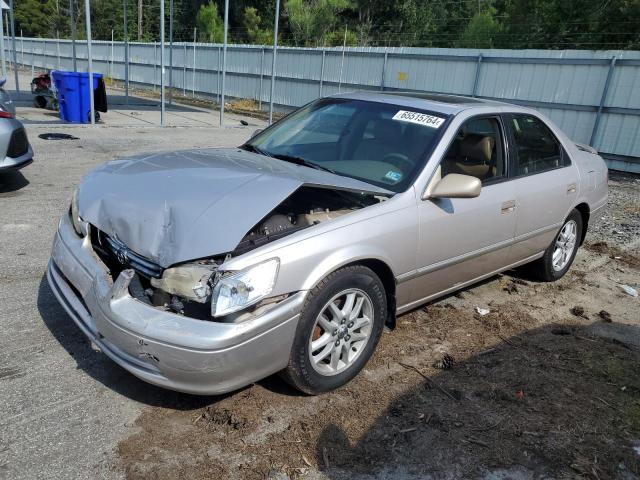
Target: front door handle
{"x": 508, "y": 206}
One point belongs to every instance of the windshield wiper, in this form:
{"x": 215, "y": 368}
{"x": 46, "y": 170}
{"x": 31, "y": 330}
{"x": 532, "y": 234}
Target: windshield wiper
{"x": 287, "y": 158}
{"x": 302, "y": 161}
{"x": 252, "y": 148}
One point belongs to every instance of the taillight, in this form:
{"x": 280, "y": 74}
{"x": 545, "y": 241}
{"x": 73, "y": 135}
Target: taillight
{"x": 4, "y": 114}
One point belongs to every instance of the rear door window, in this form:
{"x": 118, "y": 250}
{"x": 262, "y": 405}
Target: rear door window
{"x": 534, "y": 148}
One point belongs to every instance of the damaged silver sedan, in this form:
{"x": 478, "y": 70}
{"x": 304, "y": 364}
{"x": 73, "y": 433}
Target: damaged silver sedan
{"x": 203, "y": 271}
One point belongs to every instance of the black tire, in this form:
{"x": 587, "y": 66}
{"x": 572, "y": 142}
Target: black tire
{"x": 543, "y": 268}
{"x": 39, "y": 101}
{"x": 300, "y": 372}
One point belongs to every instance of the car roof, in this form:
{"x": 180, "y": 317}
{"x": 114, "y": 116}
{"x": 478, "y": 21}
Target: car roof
{"x": 438, "y": 102}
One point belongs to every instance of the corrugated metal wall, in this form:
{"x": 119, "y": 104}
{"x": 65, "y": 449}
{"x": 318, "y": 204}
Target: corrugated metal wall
{"x": 593, "y": 95}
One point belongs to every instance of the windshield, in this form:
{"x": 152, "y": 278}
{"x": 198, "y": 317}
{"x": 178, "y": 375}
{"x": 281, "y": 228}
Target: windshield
{"x": 382, "y": 144}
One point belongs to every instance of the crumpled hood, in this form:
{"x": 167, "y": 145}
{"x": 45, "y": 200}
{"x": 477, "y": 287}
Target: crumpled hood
{"x": 179, "y": 206}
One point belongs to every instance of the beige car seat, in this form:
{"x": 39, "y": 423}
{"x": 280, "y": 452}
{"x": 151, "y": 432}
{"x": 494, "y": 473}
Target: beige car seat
{"x": 474, "y": 156}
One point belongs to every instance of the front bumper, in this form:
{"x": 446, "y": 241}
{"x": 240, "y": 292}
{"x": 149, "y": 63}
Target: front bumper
{"x": 169, "y": 350}
{"x": 8, "y": 164}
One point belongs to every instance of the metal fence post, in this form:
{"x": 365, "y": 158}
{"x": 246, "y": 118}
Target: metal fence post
{"x": 324, "y": 53}
{"x": 193, "y": 77}
{"x": 184, "y": 70}
{"x": 155, "y": 65}
{"x": 474, "y": 90}
{"x": 13, "y": 41}
{"x": 2, "y": 52}
{"x": 261, "y": 75}
{"x": 170, "y": 52}
{"x": 603, "y": 99}
{"x": 58, "y": 47}
{"x": 384, "y": 70}
{"x": 7, "y": 30}
{"x": 344, "y": 46}
{"x": 218, "y": 73}
{"x": 161, "y": 62}
{"x": 22, "y": 47}
{"x": 72, "y": 17}
{"x": 92, "y": 112}
{"x": 33, "y": 63}
{"x": 273, "y": 61}
{"x": 224, "y": 59}
{"x": 126, "y": 56}
{"x": 111, "y": 64}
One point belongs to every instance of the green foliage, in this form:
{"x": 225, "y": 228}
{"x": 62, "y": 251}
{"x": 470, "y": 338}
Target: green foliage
{"x": 590, "y": 24}
{"x": 35, "y": 18}
{"x": 253, "y": 33}
{"x": 481, "y": 32}
{"x": 312, "y": 21}
{"x": 251, "y": 22}
{"x": 337, "y": 38}
{"x": 210, "y": 25}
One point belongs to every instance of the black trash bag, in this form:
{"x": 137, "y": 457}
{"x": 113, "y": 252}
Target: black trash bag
{"x": 100, "y": 96}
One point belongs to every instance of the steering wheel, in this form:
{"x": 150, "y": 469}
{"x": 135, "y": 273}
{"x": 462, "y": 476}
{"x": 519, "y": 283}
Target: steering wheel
{"x": 397, "y": 159}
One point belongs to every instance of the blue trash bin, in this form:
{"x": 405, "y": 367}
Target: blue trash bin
{"x": 73, "y": 95}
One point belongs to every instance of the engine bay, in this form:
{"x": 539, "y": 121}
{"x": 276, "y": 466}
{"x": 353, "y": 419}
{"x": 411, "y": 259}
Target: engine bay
{"x": 186, "y": 289}
{"x": 306, "y": 207}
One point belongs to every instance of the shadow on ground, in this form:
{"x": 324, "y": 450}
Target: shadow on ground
{"x": 11, "y": 183}
{"x": 104, "y": 370}
{"x": 554, "y": 402}
{"x": 99, "y": 366}
{"x": 560, "y": 401}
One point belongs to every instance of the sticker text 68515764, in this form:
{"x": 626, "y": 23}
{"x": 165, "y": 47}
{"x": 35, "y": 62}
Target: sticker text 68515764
{"x": 419, "y": 118}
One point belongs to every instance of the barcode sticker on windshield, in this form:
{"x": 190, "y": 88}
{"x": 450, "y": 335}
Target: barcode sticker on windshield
{"x": 419, "y": 118}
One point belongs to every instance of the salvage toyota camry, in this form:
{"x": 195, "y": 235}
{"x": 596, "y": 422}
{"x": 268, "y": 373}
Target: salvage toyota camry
{"x": 203, "y": 271}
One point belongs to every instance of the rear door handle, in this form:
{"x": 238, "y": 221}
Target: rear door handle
{"x": 571, "y": 188}
{"x": 508, "y": 206}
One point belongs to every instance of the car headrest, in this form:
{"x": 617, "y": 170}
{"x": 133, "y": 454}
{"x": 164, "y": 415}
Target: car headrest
{"x": 387, "y": 130}
{"x": 476, "y": 147}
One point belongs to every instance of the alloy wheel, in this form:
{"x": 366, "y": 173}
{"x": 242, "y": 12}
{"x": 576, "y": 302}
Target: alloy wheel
{"x": 565, "y": 244}
{"x": 341, "y": 332}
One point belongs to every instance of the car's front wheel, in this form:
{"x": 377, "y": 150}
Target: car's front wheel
{"x": 560, "y": 254}
{"x": 338, "y": 331}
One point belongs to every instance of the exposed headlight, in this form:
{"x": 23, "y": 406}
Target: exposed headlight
{"x": 190, "y": 281}
{"x": 75, "y": 216}
{"x": 241, "y": 289}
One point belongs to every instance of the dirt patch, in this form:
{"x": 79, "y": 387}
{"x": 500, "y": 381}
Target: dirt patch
{"x": 628, "y": 258}
{"x": 553, "y": 400}
{"x": 544, "y": 385}
{"x": 241, "y": 106}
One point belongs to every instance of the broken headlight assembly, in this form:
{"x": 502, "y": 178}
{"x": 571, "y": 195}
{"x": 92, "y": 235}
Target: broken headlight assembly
{"x": 190, "y": 281}
{"x": 236, "y": 291}
{"x": 78, "y": 225}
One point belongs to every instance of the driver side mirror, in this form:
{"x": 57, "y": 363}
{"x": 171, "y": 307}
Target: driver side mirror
{"x": 255, "y": 132}
{"x": 455, "y": 185}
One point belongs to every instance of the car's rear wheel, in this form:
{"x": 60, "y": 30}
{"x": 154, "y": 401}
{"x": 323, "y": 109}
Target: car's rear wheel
{"x": 560, "y": 254}
{"x": 339, "y": 328}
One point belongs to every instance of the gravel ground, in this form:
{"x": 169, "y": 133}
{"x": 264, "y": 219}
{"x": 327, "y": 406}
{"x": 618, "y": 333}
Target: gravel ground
{"x": 546, "y": 385}
{"x": 618, "y": 223}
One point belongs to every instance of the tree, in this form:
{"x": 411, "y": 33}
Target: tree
{"x": 481, "y": 32}
{"x": 36, "y": 18}
{"x": 253, "y": 33}
{"x": 591, "y": 24}
{"x": 337, "y": 38}
{"x": 312, "y": 20}
{"x": 210, "y": 25}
